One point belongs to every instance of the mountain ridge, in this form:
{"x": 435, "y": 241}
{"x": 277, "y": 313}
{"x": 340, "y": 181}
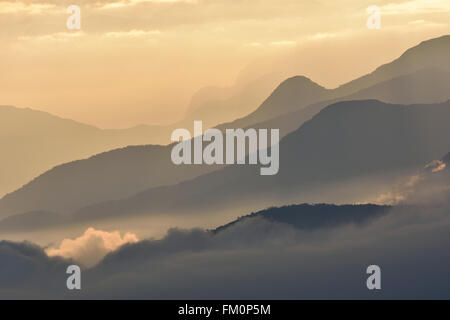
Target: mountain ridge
{"x": 398, "y": 146}
{"x": 291, "y": 120}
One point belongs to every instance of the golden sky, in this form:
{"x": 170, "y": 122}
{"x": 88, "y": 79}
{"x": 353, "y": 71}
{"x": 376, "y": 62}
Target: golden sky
{"x": 140, "y": 61}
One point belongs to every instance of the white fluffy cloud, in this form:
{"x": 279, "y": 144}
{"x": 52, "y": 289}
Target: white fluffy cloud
{"x": 92, "y": 246}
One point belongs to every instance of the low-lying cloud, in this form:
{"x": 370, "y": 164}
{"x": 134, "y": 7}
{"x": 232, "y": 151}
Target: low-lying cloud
{"x": 261, "y": 259}
{"x": 92, "y": 246}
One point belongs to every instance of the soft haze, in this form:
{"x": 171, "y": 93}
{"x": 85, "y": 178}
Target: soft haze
{"x": 141, "y": 61}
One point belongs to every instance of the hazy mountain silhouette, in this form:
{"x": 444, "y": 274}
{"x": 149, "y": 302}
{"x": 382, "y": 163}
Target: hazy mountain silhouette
{"x": 429, "y": 53}
{"x": 310, "y": 217}
{"x": 122, "y": 173}
{"x": 125, "y": 172}
{"x": 215, "y": 105}
{"x": 432, "y": 53}
{"x": 345, "y": 141}
{"x": 111, "y": 175}
{"x": 303, "y": 216}
{"x": 33, "y": 220}
{"x": 429, "y": 85}
{"x": 34, "y": 141}
{"x": 292, "y": 94}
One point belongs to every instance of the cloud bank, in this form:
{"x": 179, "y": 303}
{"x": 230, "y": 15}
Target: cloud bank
{"x": 92, "y": 246}
{"x": 261, "y": 259}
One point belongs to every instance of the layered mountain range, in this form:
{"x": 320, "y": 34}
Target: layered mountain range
{"x": 383, "y": 125}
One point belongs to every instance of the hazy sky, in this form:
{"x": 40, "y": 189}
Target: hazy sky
{"x": 140, "y": 61}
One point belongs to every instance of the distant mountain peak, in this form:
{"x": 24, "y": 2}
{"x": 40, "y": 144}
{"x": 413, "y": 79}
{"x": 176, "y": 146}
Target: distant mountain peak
{"x": 430, "y": 53}
{"x": 292, "y": 91}
{"x": 300, "y": 81}
{"x": 430, "y": 44}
